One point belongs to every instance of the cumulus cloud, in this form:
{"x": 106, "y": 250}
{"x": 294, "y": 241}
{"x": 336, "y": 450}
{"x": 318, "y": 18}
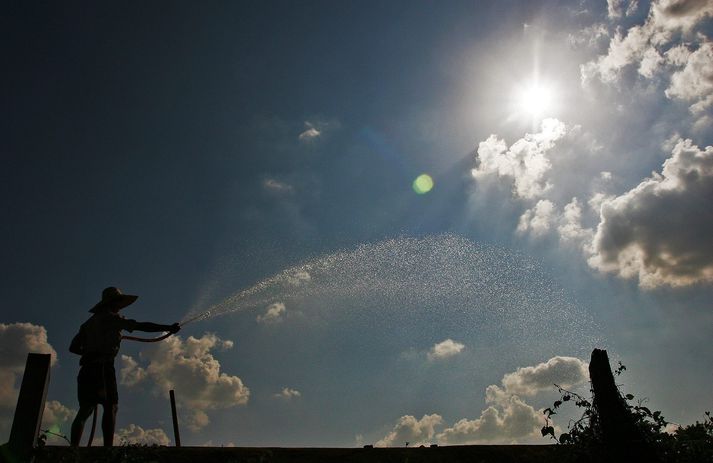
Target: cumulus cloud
{"x": 56, "y": 413}
{"x": 657, "y": 232}
{"x": 511, "y": 421}
{"x": 526, "y": 161}
{"x": 694, "y": 82}
{"x": 56, "y": 418}
{"x": 134, "y": 434}
{"x": 130, "y": 373}
{"x": 652, "y": 48}
{"x": 16, "y": 341}
{"x": 273, "y": 314}
{"x": 537, "y": 220}
{"x": 287, "y": 394}
{"x": 660, "y": 230}
{"x": 531, "y": 380}
{"x": 570, "y": 228}
{"x": 190, "y": 367}
{"x": 409, "y": 429}
{"x": 507, "y": 419}
{"x": 445, "y": 349}
{"x": 196, "y": 420}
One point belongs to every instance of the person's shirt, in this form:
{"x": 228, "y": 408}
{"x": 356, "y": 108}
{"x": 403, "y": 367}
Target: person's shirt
{"x": 100, "y": 336}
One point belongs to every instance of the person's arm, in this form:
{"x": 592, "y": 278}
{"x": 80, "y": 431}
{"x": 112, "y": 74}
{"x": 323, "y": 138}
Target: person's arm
{"x": 156, "y": 327}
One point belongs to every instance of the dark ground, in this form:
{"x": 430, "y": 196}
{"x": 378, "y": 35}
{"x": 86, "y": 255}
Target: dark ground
{"x": 466, "y": 453}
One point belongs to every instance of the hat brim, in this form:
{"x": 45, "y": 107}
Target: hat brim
{"x": 120, "y": 301}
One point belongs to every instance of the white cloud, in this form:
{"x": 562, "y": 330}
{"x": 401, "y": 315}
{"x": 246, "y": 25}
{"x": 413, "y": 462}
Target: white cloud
{"x": 16, "y": 341}
{"x": 409, "y": 429}
{"x": 287, "y": 394}
{"x": 273, "y": 314}
{"x": 276, "y": 186}
{"x": 445, "y": 349}
{"x": 526, "y": 161}
{"x": 651, "y": 62}
{"x": 190, "y": 367}
{"x": 512, "y": 421}
{"x": 596, "y": 201}
{"x": 130, "y": 373}
{"x": 508, "y": 419}
{"x": 317, "y": 128}
{"x": 195, "y": 420}
{"x": 660, "y": 230}
{"x": 649, "y": 47}
{"x": 694, "y": 83}
{"x": 679, "y": 15}
{"x": 590, "y": 36}
{"x": 134, "y": 434}
{"x": 528, "y": 381}
{"x": 537, "y": 220}
{"x": 310, "y": 133}
{"x": 623, "y": 50}
{"x": 633, "y": 6}
{"x": 56, "y": 413}
{"x": 618, "y": 8}
{"x": 56, "y": 419}
{"x": 570, "y": 227}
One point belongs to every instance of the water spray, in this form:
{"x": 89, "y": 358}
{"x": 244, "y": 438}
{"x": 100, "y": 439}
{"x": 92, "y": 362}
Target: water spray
{"x": 480, "y": 287}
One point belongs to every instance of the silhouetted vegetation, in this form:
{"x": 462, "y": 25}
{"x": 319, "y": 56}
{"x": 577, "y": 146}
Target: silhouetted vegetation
{"x": 653, "y": 437}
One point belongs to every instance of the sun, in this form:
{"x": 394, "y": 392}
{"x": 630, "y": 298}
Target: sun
{"x": 535, "y": 99}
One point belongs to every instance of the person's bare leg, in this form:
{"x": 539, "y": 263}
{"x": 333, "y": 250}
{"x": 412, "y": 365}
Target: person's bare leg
{"x": 84, "y": 412}
{"x": 109, "y": 423}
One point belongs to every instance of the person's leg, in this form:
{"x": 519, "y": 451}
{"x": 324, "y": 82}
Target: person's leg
{"x": 84, "y": 412}
{"x": 109, "y": 423}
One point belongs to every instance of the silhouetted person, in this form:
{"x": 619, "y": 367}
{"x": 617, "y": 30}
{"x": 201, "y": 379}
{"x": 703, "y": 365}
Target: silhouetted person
{"x": 98, "y": 343}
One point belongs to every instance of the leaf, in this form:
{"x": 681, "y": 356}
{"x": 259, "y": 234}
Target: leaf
{"x": 548, "y": 430}
{"x": 557, "y": 403}
{"x": 629, "y": 396}
{"x": 564, "y": 438}
{"x": 566, "y": 397}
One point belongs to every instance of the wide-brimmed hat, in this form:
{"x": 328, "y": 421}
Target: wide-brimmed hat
{"x": 112, "y": 296}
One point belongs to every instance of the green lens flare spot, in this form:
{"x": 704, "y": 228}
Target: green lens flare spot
{"x": 423, "y": 184}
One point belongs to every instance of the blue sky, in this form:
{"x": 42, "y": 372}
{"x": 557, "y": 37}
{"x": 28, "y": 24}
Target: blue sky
{"x": 187, "y": 152}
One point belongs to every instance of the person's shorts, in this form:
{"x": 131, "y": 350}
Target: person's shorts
{"x": 96, "y": 384}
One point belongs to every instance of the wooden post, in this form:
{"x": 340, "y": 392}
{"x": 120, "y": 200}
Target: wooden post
{"x": 30, "y": 406}
{"x": 176, "y": 434}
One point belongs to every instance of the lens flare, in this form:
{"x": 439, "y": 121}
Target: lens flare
{"x": 423, "y": 184}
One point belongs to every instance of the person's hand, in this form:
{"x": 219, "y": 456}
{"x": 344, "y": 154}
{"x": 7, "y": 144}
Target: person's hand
{"x": 175, "y": 328}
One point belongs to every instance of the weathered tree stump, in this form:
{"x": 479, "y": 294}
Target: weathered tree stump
{"x": 621, "y": 438}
